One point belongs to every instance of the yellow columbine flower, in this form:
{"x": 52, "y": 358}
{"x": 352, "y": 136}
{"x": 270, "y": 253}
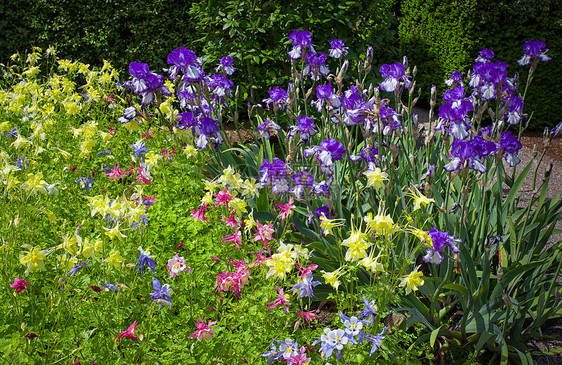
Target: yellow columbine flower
{"x": 35, "y": 183}
{"x": 373, "y": 265}
{"x": 115, "y": 259}
{"x": 34, "y": 259}
{"x": 412, "y": 281}
{"x": 357, "y": 243}
{"x": 114, "y": 233}
{"x": 332, "y": 277}
{"x": 329, "y": 224}
{"x": 419, "y": 199}
{"x": 190, "y": 151}
{"x": 423, "y": 236}
{"x": 381, "y": 224}
{"x": 251, "y": 188}
{"x": 376, "y": 178}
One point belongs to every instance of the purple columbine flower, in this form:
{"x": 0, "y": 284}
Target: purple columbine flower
{"x": 338, "y": 48}
{"x": 306, "y": 129}
{"x": 301, "y": 40}
{"x": 305, "y": 286}
{"x": 226, "y": 64}
{"x": 160, "y": 294}
{"x": 434, "y": 254}
{"x": 267, "y": 127}
{"x": 332, "y": 340}
{"x": 393, "y": 74}
{"x": 533, "y": 50}
{"x": 145, "y": 260}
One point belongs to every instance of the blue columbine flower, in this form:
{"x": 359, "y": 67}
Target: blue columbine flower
{"x": 77, "y": 268}
{"x": 110, "y": 287}
{"x": 85, "y": 183}
{"x": 145, "y": 259}
{"x": 370, "y": 311}
{"x": 160, "y": 294}
{"x": 305, "y": 286}
{"x": 287, "y": 349}
{"x": 139, "y": 149}
{"x": 375, "y": 340}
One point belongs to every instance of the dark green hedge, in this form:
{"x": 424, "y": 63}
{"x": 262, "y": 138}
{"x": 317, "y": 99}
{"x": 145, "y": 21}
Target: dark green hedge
{"x": 119, "y": 31}
{"x": 440, "y": 36}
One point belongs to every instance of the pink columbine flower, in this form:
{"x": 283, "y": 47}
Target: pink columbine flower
{"x": 308, "y": 316}
{"x": 143, "y": 176}
{"x": 305, "y": 270}
{"x": 261, "y": 258}
{"x": 223, "y": 198}
{"x": 233, "y": 281}
{"x": 19, "y": 285}
{"x": 204, "y": 332}
{"x": 112, "y": 131}
{"x": 285, "y": 209}
{"x": 231, "y": 221}
{"x": 200, "y": 214}
{"x": 264, "y": 233}
{"x": 116, "y": 174}
{"x": 300, "y": 358}
{"x": 149, "y": 136}
{"x": 130, "y": 332}
{"x": 214, "y": 258}
{"x": 282, "y": 299}
{"x": 236, "y": 238}
{"x": 176, "y": 265}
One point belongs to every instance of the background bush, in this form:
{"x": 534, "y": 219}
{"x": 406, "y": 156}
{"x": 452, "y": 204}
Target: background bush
{"x": 441, "y": 36}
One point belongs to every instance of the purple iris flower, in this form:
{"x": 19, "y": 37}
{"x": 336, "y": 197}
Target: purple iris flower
{"x": 278, "y": 97}
{"x": 393, "y": 74}
{"x": 369, "y": 155}
{"x": 338, "y": 48}
{"x": 145, "y": 260}
{"x": 470, "y": 153}
{"x": 510, "y": 145}
{"x": 485, "y": 55}
{"x": 316, "y": 66}
{"x": 389, "y": 119}
{"x": 129, "y": 113}
{"x": 180, "y": 59}
{"x": 274, "y": 175}
{"x": 439, "y": 239}
{"x": 306, "y": 129}
{"x": 303, "y": 182}
{"x": 326, "y": 96}
{"x": 110, "y": 287}
{"x": 533, "y": 50}
{"x": 301, "y": 40}
{"x": 322, "y": 211}
{"x": 456, "y": 78}
{"x": 455, "y": 111}
{"x": 514, "y": 111}
{"x": 226, "y": 64}
{"x": 160, "y": 294}
{"x": 329, "y": 151}
{"x": 146, "y": 82}
{"x": 207, "y": 130}
{"x": 267, "y": 127}
{"x": 187, "y": 120}
{"x": 219, "y": 85}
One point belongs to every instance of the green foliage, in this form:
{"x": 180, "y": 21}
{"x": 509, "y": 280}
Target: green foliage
{"x": 255, "y": 33}
{"x": 503, "y": 26}
{"x": 115, "y": 30}
{"x": 442, "y": 36}
{"x": 438, "y": 37}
